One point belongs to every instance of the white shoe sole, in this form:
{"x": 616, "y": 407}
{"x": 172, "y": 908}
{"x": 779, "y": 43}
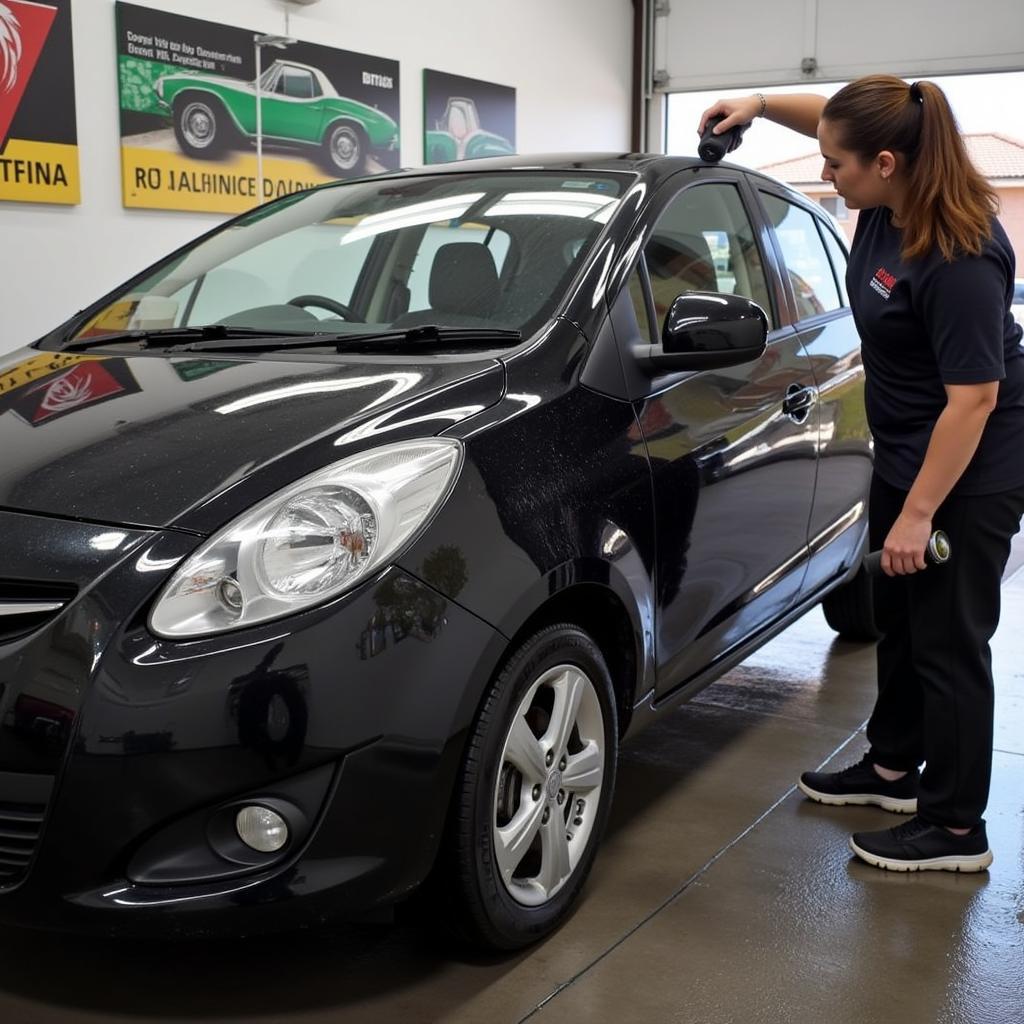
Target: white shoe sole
{"x": 979, "y": 862}
{"x": 887, "y": 803}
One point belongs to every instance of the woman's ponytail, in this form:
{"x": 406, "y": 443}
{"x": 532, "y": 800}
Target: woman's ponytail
{"x": 949, "y": 205}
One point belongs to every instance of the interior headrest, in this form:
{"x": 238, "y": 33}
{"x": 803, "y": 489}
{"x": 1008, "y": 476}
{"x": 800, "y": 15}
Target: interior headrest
{"x": 463, "y": 279}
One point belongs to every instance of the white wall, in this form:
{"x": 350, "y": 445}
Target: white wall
{"x": 569, "y": 61}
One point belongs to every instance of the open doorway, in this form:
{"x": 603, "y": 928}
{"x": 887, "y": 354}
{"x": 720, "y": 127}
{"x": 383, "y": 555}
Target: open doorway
{"x": 986, "y": 105}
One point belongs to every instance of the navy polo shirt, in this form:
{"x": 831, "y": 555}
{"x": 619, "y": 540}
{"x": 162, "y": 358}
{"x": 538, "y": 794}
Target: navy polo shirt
{"x": 926, "y": 323}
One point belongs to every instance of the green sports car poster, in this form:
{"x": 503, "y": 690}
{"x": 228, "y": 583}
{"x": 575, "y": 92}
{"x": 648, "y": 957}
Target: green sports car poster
{"x": 188, "y": 94}
{"x": 465, "y": 118}
{"x": 38, "y": 133}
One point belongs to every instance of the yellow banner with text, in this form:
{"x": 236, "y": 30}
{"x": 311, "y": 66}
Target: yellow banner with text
{"x": 40, "y": 172}
{"x": 163, "y": 180}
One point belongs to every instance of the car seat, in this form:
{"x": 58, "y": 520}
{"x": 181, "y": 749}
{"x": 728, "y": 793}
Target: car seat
{"x": 463, "y": 289}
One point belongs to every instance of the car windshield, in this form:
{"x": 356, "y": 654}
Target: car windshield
{"x": 492, "y": 250}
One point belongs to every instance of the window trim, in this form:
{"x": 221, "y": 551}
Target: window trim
{"x": 648, "y": 293}
{"x": 823, "y": 227}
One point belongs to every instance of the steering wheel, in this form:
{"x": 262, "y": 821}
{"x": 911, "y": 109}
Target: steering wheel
{"x": 323, "y": 302}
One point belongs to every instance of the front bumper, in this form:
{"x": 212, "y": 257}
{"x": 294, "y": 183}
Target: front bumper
{"x": 355, "y": 712}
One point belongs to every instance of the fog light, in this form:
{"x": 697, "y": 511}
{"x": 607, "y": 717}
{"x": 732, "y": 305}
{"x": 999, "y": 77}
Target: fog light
{"x": 261, "y": 828}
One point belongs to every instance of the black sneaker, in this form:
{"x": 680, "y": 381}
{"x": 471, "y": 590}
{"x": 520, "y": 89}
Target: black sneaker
{"x": 861, "y": 784}
{"x": 917, "y": 846}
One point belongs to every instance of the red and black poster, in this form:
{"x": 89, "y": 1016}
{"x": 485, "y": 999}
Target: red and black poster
{"x": 38, "y": 132}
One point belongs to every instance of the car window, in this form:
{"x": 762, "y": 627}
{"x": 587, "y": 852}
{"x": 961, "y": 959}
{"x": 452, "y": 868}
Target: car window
{"x": 803, "y": 251}
{"x": 704, "y": 241}
{"x": 269, "y": 78}
{"x": 297, "y": 83}
{"x": 837, "y": 254}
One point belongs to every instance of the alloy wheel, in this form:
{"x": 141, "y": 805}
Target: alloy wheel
{"x": 548, "y": 788}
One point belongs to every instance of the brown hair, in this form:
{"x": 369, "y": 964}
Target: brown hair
{"x": 950, "y": 205}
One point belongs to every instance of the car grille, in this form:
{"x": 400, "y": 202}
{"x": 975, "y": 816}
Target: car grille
{"x": 25, "y": 605}
{"x": 23, "y": 800}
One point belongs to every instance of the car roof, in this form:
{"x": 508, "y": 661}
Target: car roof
{"x": 653, "y": 168}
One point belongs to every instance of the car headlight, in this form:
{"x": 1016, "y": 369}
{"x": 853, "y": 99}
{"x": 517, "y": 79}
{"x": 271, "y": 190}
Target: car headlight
{"x": 309, "y": 542}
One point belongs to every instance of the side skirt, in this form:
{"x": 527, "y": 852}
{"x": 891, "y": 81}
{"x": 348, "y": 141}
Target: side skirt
{"x": 688, "y": 688}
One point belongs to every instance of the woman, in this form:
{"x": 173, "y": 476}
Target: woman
{"x": 930, "y": 281}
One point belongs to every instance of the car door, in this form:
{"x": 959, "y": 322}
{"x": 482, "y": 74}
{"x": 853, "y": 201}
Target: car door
{"x": 815, "y": 272}
{"x": 293, "y": 110}
{"x": 732, "y": 451}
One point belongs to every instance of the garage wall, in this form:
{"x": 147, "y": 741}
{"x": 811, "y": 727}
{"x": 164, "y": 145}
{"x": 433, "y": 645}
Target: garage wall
{"x": 569, "y": 60}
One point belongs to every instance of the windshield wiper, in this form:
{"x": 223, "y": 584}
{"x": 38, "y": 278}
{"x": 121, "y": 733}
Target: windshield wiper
{"x": 166, "y": 337}
{"x": 416, "y": 339}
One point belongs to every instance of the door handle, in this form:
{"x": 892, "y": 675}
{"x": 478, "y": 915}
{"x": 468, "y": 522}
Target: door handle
{"x": 798, "y": 401}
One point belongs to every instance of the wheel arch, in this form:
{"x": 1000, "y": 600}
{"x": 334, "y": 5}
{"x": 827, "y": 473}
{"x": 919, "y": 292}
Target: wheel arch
{"x": 336, "y": 119}
{"x": 610, "y": 599}
{"x": 602, "y": 615}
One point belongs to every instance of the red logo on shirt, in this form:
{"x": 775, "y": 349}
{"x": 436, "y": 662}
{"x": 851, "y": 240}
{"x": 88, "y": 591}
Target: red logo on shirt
{"x": 883, "y": 282}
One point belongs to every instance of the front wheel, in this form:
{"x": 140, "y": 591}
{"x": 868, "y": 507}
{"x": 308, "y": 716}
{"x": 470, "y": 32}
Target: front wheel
{"x": 201, "y": 127}
{"x": 535, "y": 789}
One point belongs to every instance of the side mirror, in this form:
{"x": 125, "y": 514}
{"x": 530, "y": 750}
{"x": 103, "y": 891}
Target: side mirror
{"x": 707, "y": 331}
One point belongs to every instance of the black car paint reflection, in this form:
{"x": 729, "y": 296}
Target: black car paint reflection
{"x": 679, "y": 518}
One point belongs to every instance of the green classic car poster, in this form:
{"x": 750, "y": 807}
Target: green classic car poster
{"x": 38, "y": 134}
{"x": 188, "y": 93}
{"x": 465, "y": 118}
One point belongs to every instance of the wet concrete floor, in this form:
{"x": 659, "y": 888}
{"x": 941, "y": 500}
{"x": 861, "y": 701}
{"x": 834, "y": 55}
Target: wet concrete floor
{"x": 720, "y": 896}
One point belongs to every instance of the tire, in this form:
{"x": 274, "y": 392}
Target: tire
{"x": 345, "y": 147}
{"x": 202, "y": 127}
{"x": 850, "y": 610}
{"x": 522, "y": 835}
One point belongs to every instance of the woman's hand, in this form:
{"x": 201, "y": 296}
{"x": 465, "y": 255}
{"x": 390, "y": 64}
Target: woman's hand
{"x": 738, "y": 110}
{"x": 904, "y": 548}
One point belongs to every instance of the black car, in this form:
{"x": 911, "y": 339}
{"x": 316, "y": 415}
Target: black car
{"x": 343, "y": 547}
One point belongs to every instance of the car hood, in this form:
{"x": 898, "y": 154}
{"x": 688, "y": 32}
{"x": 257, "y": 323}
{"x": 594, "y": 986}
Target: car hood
{"x": 189, "y": 442}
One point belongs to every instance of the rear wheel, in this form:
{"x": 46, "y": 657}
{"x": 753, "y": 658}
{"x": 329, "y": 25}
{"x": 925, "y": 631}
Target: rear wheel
{"x": 850, "y": 609}
{"x": 534, "y": 792}
{"x": 345, "y": 149}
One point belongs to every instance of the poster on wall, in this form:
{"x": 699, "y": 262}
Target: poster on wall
{"x": 38, "y": 134}
{"x": 188, "y": 96}
{"x": 464, "y": 118}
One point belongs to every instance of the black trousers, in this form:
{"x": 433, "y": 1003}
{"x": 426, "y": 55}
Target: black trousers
{"x": 935, "y": 693}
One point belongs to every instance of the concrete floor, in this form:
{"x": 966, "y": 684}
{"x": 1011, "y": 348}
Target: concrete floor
{"x": 720, "y": 895}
